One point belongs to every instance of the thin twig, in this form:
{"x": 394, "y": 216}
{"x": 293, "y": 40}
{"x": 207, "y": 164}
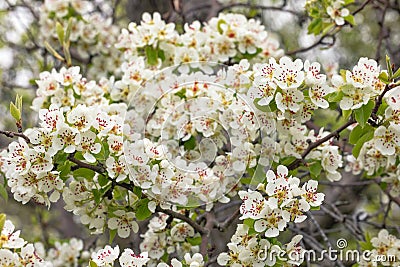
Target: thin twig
{"x": 182, "y": 217}
{"x": 85, "y": 165}
{"x": 11, "y": 134}
{"x": 319, "y": 142}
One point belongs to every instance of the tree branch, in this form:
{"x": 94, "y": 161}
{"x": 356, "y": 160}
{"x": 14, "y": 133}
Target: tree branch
{"x": 14, "y": 134}
{"x": 182, "y": 217}
{"x": 319, "y": 142}
{"x": 273, "y": 8}
{"x": 85, "y": 165}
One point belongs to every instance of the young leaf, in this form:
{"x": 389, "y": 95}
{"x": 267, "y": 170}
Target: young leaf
{"x": 194, "y": 241}
{"x": 357, "y": 132}
{"x": 350, "y": 19}
{"x": 383, "y": 76}
{"x": 152, "y": 55}
{"x": 142, "y": 210}
{"x": 362, "y": 114}
{"x": 2, "y": 221}
{"x": 315, "y": 169}
{"x": 15, "y": 112}
{"x": 366, "y": 137}
{"x": 3, "y": 192}
{"x": 113, "y": 233}
{"x": 396, "y": 74}
{"x": 389, "y": 67}
{"x": 60, "y": 32}
{"x": 53, "y": 51}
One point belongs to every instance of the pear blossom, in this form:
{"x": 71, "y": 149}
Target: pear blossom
{"x": 289, "y": 100}
{"x": 106, "y": 256}
{"x": 124, "y": 223}
{"x": 289, "y": 74}
{"x": 272, "y": 223}
{"x": 88, "y": 146}
{"x": 9, "y": 238}
{"x": 387, "y": 139}
{"x": 393, "y": 98}
{"x": 310, "y": 193}
{"x": 129, "y": 259}
{"x": 337, "y": 13}
{"x": 317, "y": 94}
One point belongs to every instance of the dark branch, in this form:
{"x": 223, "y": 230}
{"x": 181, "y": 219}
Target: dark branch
{"x": 82, "y": 164}
{"x": 319, "y": 142}
{"x": 14, "y": 134}
{"x": 182, "y": 217}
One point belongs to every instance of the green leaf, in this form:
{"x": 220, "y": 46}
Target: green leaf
{"x": 315, "y": 26}
{"x": 151, "y": 55}
{"x": 383, "y": 76}
{"x": 3, "y": 192}
{"x": 113, "y": 233}
{"x": 190, "y": 144}
{"x": 83, "y": 172}
{"x": 258, "y": 175}
{"x": 365, "y": 138}
{"x": 350, "y": 19}
{"x": 142, "y": 209}
{"x": 60, "y": 32}
{"x": 315, "y": 169}
{"x": 102, "y": 180}
{"x": 346, "y": 113}
{"x": 396, "y": 74}
{"x": 92, "y": 264}
{"x": 357, "y": 132}
{"x": 288, "y": 160}
{"x": 137, "y": 191}
{"x": 68, "y": 31}
{"x": 97, "y": 195}
{"x": 249, "y": 222}
{"x": 328, "y": 27}
{"x": 2, "y": 221}
{"x": 53, "y": 51}
{"x": 362, "y": 114}
{"x": 265, "y": 108}
{"x": 335, "y": 96}
{"x": 389, "y": 67}
{"x": 15, "y": 112}
{"x": 194, "y": 241}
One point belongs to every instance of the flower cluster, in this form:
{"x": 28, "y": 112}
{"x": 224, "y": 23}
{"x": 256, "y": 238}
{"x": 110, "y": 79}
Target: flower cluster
{"x": 289, "y": 92}
{"x": 359, "y": 85}
{"x": 195, "y": 116}
{"x": 91, "y": 34}
{"x": 383, "y": 249}
{"x": 327, "y": 14}
{"x": 246, "y": 249}
{"x": 108, "y": 255}
{"x": 15, "y": 251}
{"x": 164, "y": 237}
{"x": 285, "y": 202}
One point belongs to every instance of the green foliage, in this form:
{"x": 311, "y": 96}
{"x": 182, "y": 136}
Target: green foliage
{"x": 2, "y": 221}
{"x": 151, "y": 55}
{"x": 364, "y": 113}
{"x": 142, "y": 209}
{"x": 194, "y": 241}
{"x": 16, "y": 108}
{"x": 315, "y": 169}
{"x": 358, "y": 132}
{"x": 364, "y": 138}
